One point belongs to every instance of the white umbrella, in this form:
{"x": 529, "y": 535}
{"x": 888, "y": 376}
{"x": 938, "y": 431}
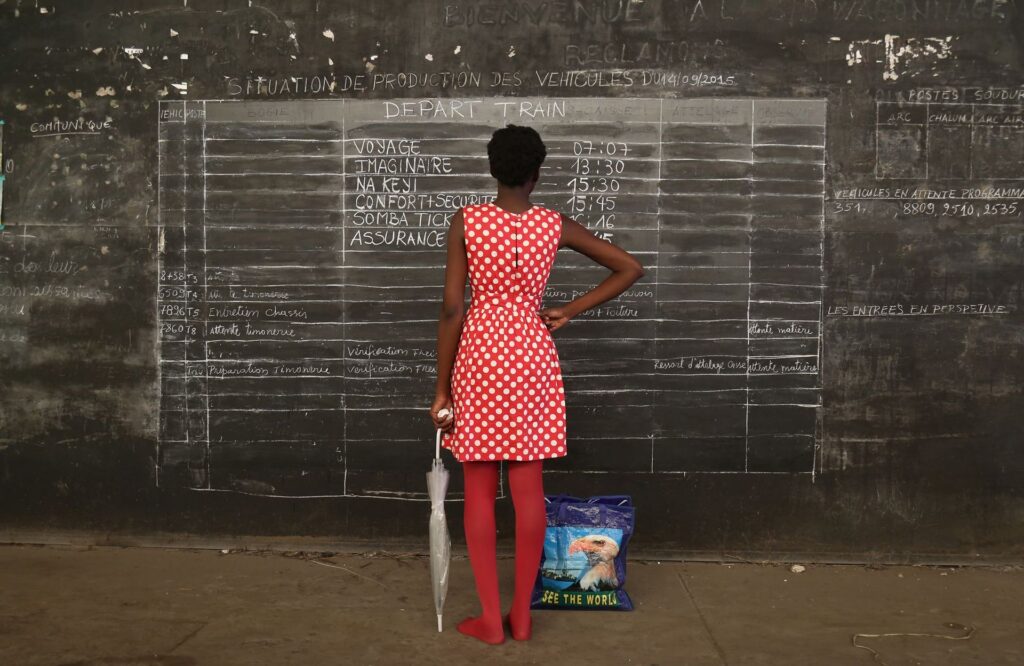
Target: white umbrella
{"x": 440, "y": 539}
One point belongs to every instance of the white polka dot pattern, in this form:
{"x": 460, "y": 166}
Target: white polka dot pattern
{"x": 506, "y": 382}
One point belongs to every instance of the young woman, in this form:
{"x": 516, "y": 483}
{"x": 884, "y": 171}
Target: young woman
{"x": 498, "y": 373}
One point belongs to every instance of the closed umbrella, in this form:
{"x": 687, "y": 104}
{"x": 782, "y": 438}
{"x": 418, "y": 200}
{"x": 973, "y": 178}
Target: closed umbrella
{"x": 440, "y": 539}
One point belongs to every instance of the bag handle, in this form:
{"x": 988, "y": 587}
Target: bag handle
{"x": 616, "y": 500}
{"x": 550, "y": 499}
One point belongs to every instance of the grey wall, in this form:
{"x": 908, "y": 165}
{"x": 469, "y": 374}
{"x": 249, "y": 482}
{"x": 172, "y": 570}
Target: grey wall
{"x": 824, "y": 355}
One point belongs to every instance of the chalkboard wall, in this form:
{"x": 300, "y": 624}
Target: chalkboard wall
{"x": 224, "y": 247}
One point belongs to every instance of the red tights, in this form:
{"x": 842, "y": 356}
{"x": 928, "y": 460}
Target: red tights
{"x": 524, "y": 479}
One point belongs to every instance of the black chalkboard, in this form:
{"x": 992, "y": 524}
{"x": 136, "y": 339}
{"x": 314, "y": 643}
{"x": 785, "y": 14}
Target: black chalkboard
{"x": 222, "y": 266}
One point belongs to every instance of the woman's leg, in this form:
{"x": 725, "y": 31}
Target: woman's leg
{"x": 481, "y": 541}
{"x": 524, "y": 480}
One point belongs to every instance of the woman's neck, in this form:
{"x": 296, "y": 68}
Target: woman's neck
{"x": 513, "y": 199}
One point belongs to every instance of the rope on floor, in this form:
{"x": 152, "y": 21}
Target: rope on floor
{"x": 878, "y": 658}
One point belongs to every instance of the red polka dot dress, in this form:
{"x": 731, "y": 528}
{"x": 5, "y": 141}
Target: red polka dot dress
{"x": 506, "y": 382}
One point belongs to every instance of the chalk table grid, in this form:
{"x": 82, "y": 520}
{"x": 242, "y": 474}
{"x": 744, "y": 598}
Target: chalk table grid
{"x": 302, "y": 252}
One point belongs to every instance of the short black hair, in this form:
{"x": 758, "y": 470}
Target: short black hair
{"x": 515, "y": 153}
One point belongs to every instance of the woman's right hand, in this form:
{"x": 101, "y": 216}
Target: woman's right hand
{"x": 555, "y": 318}
{"x": 445, "y": 420}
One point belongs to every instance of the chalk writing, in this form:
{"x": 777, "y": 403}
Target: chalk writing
{"x": 302, "y": 257}
{"x": 915, "y": 139}
{"x": 918, "y": 309}
{"x": 77, "y": 126}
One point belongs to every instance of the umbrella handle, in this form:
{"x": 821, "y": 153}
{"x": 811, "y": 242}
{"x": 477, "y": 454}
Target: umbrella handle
{"x": 437, "y": 448}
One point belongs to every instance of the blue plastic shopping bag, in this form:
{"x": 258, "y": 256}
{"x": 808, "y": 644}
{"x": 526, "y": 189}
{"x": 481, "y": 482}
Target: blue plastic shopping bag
{"x": 584, "y": 562}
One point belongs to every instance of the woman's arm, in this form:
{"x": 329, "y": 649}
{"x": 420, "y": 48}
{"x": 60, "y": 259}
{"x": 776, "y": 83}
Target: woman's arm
{"x": 449, "y": 326}
{"x": 626, "y": 270}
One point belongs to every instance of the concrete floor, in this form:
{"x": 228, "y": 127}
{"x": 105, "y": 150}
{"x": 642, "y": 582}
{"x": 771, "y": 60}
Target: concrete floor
{"x": 103, "y": 606}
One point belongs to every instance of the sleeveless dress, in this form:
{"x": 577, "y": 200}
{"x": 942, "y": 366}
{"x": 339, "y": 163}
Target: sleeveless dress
{"x": 506, "y": 383}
